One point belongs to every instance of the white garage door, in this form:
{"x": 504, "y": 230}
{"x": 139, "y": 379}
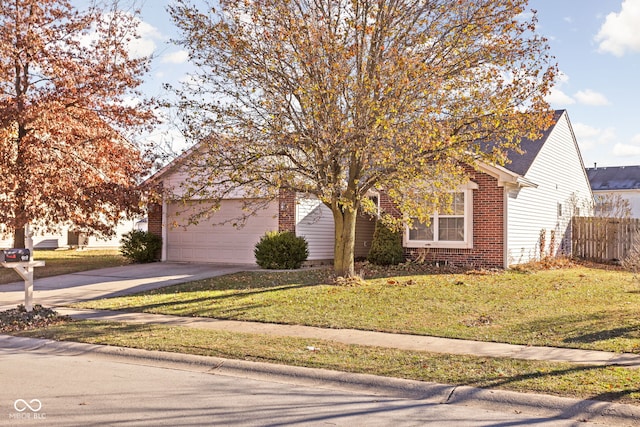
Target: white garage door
{"x": 206, "y": 242}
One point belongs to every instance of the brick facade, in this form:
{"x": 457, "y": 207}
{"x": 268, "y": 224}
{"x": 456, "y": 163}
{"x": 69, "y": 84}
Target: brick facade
{"x": 488, "y": 225}
{"x": 154, "y": 214}
{"x": 154, "y": 218}
{"x": 488, "y": 229}
{"x": 287, "y": 211}
{"x": 154, "y": 210}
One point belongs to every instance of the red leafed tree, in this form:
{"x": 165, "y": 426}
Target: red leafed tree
{"x": 65, "y": 81}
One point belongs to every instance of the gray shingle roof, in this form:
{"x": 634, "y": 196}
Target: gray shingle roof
{"x": 614, "y": 178}
{"x": 520, "y": 163}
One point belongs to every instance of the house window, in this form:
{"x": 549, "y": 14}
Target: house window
{"x": 452, "y": 229}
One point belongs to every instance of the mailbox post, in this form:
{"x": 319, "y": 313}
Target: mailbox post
{"x": 24, "y": 267}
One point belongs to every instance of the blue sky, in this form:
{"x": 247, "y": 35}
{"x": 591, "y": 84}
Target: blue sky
{"x": 595, "y": 42}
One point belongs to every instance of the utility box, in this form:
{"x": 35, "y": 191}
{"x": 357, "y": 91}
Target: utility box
{"x": 15, "y": 255}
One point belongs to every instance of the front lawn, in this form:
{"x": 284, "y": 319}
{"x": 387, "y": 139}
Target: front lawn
{"x": 584, "y": 307}
{"x": 67, "y": 261}
{"x": 610, "y": 383}
{"x": 580, "y": 307}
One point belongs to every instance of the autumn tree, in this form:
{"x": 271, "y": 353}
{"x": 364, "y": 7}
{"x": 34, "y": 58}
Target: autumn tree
{"x": 66, "y": 84}
{"x": 339, "y": 98}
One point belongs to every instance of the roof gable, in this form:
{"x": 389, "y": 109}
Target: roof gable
{"x": 521, "y": 162}
{"x": 517, "y": 165}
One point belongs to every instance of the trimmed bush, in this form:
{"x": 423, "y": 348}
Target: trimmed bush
{"x": 386, "y": 246}
{"x": 140, "y": 246}
{"x": 281, "y": 250}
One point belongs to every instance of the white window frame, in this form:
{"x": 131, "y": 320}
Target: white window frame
{"x": 466, "y": 243}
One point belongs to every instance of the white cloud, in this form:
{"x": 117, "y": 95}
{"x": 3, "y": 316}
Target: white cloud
{"x": 588, "y": 136}
{"x": 590, "y": 97}
{"x": 558, "y": 98}
{"x": 139, "y": 47}
{"x": 190, "y": 79}
{"x": 626, "y": 150}
{"x": 130, "y": 101}
{"x": 525, "y": 15}
{"x": 619, "y": 33}
{"x": 179, "y": 57}
{"x": 146, "y": 44}
{"x": 562, "y": 77}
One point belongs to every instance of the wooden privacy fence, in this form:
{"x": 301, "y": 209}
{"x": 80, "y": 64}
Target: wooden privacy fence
{"x": 603, "y": 239}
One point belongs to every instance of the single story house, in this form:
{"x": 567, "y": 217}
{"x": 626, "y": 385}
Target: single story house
{"x": 621, "y": 181}
{"x": 504, "y": 215}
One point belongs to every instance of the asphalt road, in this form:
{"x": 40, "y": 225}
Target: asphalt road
{"x": 54, "y": 388}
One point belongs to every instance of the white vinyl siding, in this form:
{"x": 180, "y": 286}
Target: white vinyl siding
{"x": 314, "y": 222}
{"x": 559, "y": 175}
{"x": 632, "y": 196}
{"x": 206, "y": 242}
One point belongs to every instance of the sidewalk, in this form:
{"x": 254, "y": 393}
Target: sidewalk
{"x": 370, "y": 338}
{"x": 61, "y": 291}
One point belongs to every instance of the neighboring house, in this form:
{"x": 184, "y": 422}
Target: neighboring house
{"x": 68, "y": 238}
{"x": 502, "y": 216}
{"x": 607, "y": 183}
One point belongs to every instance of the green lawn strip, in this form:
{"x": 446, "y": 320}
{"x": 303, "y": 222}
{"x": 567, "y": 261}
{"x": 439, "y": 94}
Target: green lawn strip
{"x": 68, "y": 261}
{"x": 586, "y": 382}
{"x": 578, "y": 307}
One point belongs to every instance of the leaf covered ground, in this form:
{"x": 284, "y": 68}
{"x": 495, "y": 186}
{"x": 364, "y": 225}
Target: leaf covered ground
{"x": 19, "y": 319}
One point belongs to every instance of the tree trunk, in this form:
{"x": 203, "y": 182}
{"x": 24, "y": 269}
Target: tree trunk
{"x": 344, "y": 245}
{"x": 18, "y": 238}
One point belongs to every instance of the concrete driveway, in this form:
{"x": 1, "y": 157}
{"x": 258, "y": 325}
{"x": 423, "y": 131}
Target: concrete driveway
{"x": 108, "y": 282}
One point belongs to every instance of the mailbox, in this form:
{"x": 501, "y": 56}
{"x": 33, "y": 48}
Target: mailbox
{"x": 15, "y": 255}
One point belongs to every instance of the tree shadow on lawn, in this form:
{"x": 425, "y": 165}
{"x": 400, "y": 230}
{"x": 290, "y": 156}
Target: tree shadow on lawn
{"x": 210, "y": 301}
{"x": 629, "y": 332}
{"x": 252, "y": 280}
{"x": 581, "y": 328}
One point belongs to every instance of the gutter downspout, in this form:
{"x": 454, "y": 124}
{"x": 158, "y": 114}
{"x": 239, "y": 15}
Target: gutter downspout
{"x": 163, "y": 257}
{"x": 505, "y": 226}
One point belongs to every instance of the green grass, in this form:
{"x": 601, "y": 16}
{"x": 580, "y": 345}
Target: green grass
{"x": 67, "y": 261}
{"x": 563, "y": 379}
{"x": 573, "y": 307}
{"x": 580, "y": 307}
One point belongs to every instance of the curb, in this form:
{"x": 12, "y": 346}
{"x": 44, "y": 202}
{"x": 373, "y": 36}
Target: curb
{"x": 497, "y": 400}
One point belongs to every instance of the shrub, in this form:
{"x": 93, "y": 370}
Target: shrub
{"x": 632, "y": 261}
{"x": 386, "y": 247}
{"x": 281, "y": 250}
{"x": 140, "y": 246}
